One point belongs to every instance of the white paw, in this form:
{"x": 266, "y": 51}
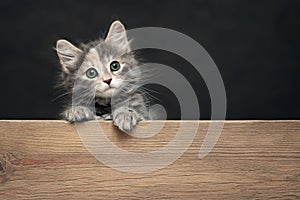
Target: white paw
{"x": 125, "y": 119}
{"x": 78, "y": 114}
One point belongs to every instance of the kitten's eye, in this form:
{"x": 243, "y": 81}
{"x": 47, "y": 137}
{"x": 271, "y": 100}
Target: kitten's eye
{"x": 114, "y": 66}
{"x": 91, "y": 73}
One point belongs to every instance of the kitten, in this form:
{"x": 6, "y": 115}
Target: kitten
{"x": 102, "y": 78}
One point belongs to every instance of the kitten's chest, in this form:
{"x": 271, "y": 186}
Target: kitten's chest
{"x": 102, "y": 107}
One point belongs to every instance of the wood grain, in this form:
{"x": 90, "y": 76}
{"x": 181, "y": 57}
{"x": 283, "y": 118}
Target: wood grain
{"x": 251, "y": 160}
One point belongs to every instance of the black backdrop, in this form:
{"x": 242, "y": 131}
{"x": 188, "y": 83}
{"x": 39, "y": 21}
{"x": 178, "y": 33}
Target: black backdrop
{"x": 255, "y": 45}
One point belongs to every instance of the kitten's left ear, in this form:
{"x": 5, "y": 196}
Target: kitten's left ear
{"x": 68, "y": 55}
{"x": 117, "y": 35}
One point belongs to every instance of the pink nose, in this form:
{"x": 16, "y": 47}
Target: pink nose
{"x": 107, "y": 81}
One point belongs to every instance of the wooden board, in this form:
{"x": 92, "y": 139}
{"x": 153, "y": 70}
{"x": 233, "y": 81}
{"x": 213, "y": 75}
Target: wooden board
{"x": 251, "y": 160}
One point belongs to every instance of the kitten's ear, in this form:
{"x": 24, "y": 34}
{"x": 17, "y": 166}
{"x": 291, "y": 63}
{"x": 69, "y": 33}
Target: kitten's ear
{"x": 117, "y": 35}
{"x": 68, "y": 55}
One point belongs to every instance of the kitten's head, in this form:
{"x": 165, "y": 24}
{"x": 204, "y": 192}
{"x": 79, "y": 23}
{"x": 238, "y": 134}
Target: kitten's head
{"x": 105, "y": 66}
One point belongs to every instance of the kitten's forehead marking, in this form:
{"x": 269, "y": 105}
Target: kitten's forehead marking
{"x": 104, "y": 52}
{"x": 93, "y": 55}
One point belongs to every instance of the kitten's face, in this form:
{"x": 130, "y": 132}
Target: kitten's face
{"x": 105, "y": 70}
{"x": 104, "y": 67}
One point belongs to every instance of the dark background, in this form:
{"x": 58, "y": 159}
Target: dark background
{"x": 255, "y": 45}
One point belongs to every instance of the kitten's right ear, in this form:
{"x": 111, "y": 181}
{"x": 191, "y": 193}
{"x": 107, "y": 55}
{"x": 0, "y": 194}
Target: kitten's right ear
{"x": 68, "y": 55}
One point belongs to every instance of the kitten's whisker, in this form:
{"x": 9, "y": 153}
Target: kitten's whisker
{"x": 60, "y": 96}
{"x": 145, "y": 88}
{"x": 150, "y": 95}
{"x": 83, "y": 96}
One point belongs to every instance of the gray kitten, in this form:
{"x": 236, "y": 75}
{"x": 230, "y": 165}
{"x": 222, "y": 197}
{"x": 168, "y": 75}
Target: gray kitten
{"x": 102, "y": 78}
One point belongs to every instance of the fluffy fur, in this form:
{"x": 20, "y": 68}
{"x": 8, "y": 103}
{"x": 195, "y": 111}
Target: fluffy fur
{"x": 111, "y": 94}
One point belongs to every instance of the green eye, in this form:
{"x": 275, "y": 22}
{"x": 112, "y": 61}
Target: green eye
{"x": 115, "y": 66}
{"x": 91, "y": 73}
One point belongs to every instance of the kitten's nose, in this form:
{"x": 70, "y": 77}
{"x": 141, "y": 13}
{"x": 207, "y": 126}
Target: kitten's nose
{"x": 107, "y": 81}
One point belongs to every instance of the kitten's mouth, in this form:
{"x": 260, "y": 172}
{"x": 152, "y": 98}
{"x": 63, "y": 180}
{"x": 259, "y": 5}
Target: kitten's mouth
{"x": 102, "y": 90}
{"x": 109, "y": 88}
{"x": 108, "y": 92}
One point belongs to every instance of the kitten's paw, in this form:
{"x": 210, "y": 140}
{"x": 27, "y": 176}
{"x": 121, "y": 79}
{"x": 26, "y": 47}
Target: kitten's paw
{"x": 125, "y": 119}
{"x": 79, "y": 114}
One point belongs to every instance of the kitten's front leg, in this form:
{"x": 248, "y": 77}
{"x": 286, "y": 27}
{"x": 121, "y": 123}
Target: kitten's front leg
{"x": 126, "y": 114}
{"x": 78, "y": 114}
{"x": 125, "y": 118}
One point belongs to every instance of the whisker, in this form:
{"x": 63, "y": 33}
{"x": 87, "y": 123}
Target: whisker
{"x": 60, "y": 96}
